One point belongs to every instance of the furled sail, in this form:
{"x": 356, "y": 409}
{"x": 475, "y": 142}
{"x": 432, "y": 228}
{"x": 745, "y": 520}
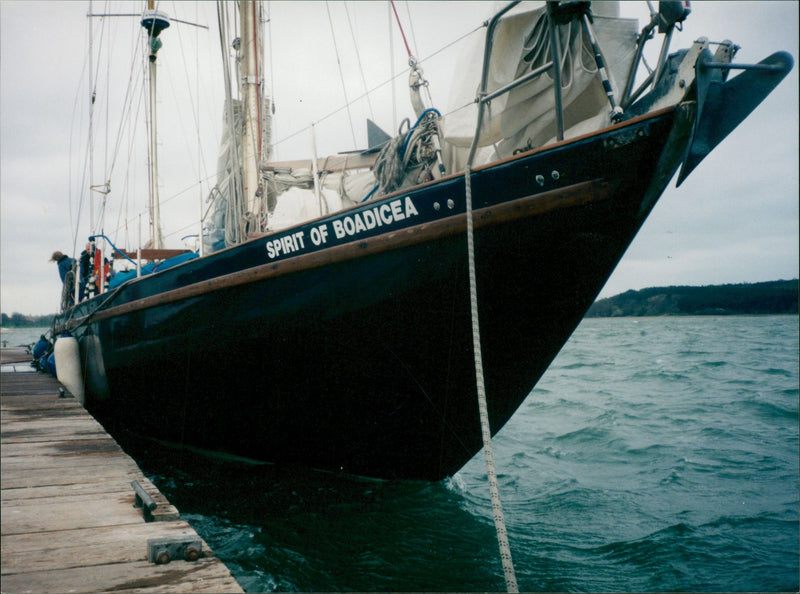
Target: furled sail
{"x": 524, "y": 117}
{"x": 226, "y": 196}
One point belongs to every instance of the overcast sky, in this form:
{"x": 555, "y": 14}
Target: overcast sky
{"x": 734, "y": 220}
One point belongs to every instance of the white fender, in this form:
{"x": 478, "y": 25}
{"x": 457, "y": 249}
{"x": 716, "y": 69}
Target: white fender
{"x": 68, "y": 366}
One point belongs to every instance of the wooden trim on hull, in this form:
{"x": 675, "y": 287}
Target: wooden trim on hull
{"x": 569, "y": 197}
{"x": 150, "y": 254}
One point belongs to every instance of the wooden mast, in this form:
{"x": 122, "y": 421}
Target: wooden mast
{"x": 251, "y": 144}
{"x": 154, "y": 22}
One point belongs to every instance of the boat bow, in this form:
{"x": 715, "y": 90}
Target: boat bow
{"x": 723, "y": 104}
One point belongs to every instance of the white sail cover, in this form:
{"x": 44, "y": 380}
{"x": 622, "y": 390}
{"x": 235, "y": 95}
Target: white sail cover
{"x": 525, "y": 117}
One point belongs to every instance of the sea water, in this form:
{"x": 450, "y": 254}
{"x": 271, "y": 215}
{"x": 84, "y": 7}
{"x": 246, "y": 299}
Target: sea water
{"x": 655, "y": 454}
{"x": 20, "y": 337}
{"x": 14, "y": 337}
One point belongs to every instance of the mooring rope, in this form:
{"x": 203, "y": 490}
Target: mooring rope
{"x": 491, "y": 473}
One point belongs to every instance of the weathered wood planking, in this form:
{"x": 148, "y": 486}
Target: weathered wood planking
{"x": 204, "y": 575}
{"x": 14, "y": 355}
{"x": 66, "y": 548}
{"x": 68, "y": 522}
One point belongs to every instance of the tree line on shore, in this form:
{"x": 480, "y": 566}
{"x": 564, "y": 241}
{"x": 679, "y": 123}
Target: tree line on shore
{"x": 18, "y": 320}
{"x": 773, "y": 297}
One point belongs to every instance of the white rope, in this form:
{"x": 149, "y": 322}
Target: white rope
{"x": 491, "y": 473}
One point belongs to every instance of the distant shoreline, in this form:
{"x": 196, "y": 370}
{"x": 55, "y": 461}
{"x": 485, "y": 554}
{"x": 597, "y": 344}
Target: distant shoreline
{"x": 766, "y": 298}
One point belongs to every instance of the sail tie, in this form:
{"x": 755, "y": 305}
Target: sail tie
{"x": 486, "y": 434}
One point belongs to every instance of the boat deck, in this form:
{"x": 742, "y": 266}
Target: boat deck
{"x": 69, "y": 523}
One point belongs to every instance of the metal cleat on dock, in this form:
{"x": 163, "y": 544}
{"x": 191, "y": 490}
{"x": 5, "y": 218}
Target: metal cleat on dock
{"x": 163, "y": 550}
{"x": 142, "y": 499}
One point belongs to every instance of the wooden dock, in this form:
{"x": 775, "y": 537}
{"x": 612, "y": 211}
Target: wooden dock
{"x": 69, "y": 523}
{"x": 15, "y": 355}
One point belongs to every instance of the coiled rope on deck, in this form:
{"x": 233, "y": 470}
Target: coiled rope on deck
{"x": 491, "y": 473}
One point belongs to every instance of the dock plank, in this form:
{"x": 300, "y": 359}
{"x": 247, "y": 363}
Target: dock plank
{"x": 83, "y": 512}
{"x": 204, "y": 575}
{"x": 45, "y": 551}
{"x": 20, "y": 384}
{"x": 25, "y": 495}
{"x": 68, "y": 476}
{"x": 90, "y": 447}
{"x": 68, "y": 519}
{"x": 114, "y": 538}
{"x": 14, "y": 355}
{"x": 76, "y": 462}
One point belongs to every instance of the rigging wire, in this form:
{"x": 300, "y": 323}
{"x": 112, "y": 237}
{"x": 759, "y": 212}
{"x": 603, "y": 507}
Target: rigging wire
{"x": 416, "y": 49}
{"x": 400, "y": 26}
{"x": 107, "y": 112}
{"x": 341, "y": 75}
{"x": 412, "y": 61}
{"x": 126, "y": 124}
{"x": 197, "y": 116}
{"x": 411, "y": 27}
{"x": 74, "y": 217}
{"x": 83, "y": 193}
{"x": 391, "y": 69}
{"x": 129, "y": 180}
{"x": 178, "y": 194}
{"x": 386, "y": 82}
{"x": 358, "y": 58}
{"x": 256, "y": 54}
{"x": 193, "y": 103}
{"x": 184, "y": 135}
{"x": 98, "y": 223}
{"x": 91, "y": 124}
{"x": 85, "y": 187}
{"x": 107, "y": 104}
{"x": 273, "y": 124}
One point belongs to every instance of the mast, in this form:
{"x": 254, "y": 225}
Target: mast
{"x": 92, "y": 229}
{"x": 251, "y": 145}
{"x": 242, "y": 197}
{"x": 154, "y": 23}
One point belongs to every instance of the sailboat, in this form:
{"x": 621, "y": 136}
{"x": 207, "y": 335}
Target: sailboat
{"x": 328, "y": 317}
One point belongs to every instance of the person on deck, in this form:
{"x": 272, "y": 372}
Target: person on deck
{"x": 65, "y": 271}
{"x": 85, "y": 270}
{"x": 64, "y": 264}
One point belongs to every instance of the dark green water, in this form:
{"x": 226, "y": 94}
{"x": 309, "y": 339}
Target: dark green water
{"x": 656, "y": 454}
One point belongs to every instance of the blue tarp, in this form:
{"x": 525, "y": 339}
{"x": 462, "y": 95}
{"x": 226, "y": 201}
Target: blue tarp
{"x": 170, "y": 262}
{"x": 122, "y": 277}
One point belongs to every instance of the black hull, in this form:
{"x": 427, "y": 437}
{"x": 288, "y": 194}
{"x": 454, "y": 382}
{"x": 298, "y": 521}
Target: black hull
{"x": 357, "y": 355}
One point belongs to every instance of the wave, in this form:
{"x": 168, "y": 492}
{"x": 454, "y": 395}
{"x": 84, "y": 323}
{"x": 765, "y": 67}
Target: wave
{"x": 771, "y": 411}
{"x": 690, "y": 557}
